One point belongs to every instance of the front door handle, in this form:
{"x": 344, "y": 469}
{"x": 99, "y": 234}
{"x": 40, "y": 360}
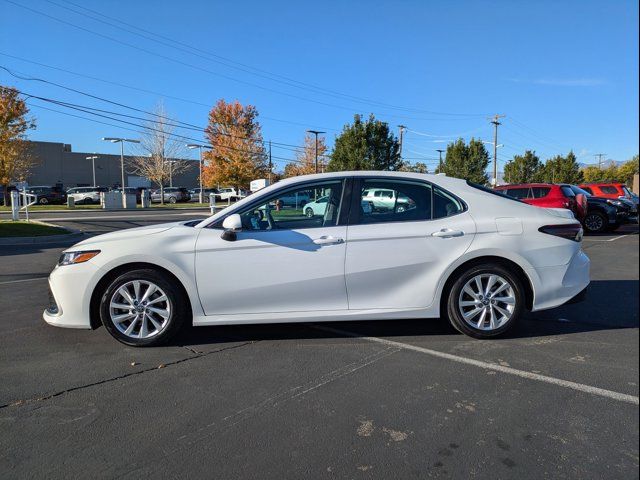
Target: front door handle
{"x": 328, "y": 241}
{"x": 447, "y": 233}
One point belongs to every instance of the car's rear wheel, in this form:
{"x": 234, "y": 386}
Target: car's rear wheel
{"x": 595, "y": 222}
{"x": 308, "y": 212}
{"x": 485, "y": 301}
{"x": 143, "y": 308}
{"x": 43, "y": 201}
{"x": 173, "y": 199}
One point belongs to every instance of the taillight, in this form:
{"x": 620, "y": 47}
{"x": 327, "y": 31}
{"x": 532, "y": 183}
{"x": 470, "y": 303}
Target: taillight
{"x": 570, "y": 231}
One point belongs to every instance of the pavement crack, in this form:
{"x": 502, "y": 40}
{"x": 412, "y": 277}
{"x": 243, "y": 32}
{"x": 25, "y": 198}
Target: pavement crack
{"x": 20, "y": 403}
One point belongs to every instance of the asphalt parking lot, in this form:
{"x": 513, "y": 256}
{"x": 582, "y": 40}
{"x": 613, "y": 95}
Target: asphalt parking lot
{"x": 558, "y": 398}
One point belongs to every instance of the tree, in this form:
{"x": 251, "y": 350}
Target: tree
{"x": 368, "y": 145}
{"x": 561, "y": 169}
{"x": 237, "y": 155}
{"x": 305, "y": 163}
{"x": 15, "y": 158}
{"x": 158, "y": 160}
{"x": 523, "y": 168}
{"x": 417, "y": 167}
{"x": 627, "y": 170}
{"x": 466, "y": 161}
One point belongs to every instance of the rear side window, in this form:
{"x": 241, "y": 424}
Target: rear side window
{"x": 445, "y": 204}
{"x": 394, "y": 201}
{"x": 608, "y": 189}
{"x": 567, "y": 192}
{"x": 520, "y": 193}
{"x": 539, "y": 192}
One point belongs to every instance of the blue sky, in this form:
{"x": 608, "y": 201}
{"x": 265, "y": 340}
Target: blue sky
{"x": 565, "y": 73}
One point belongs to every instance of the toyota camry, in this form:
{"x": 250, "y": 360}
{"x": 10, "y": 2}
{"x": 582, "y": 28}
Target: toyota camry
{"x": 444, "y": 248}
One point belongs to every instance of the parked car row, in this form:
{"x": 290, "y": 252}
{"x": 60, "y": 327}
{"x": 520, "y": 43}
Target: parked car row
{"x": 599, "y": 207}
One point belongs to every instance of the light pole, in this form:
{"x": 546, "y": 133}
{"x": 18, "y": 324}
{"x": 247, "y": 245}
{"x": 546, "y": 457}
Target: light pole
{"x": 191, "y": 146}
{"x": 440, "y": 151}
{"x": 316, "y": 133}
{"x": 93, "y": 159}
{"x": 121, "y": 142}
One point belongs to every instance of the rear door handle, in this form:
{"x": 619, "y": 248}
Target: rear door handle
{"x": 328, "y": 241}
{"x": 447, "y": 233}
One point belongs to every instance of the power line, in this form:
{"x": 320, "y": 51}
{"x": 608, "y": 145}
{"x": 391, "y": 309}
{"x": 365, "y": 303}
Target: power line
{"x": 135, "y": 30}
{"x": 197, "y": 67}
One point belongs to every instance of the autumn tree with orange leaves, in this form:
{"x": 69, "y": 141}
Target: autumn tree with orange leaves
{"x": 305, "y": 163}
{"x": 15, "y": 158}
{"x": 237, "y": 153}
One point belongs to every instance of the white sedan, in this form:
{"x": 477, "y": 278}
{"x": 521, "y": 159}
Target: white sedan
{"x": 319, "y": 206}
{"x": 462, "y": 252}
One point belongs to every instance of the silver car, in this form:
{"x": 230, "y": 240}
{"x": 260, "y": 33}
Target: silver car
{"x": 172, "y": 195}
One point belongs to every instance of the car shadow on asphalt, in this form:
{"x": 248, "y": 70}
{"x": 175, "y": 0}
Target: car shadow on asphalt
{"x": 598, "y": 312}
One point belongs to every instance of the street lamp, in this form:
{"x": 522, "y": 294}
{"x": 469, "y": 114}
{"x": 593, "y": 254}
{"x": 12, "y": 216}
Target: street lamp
{"x": 316, "y": 133}
{"x": 121, "y": 142}
{"x": 191, "y": 146}
{"x": 93, "y": 159}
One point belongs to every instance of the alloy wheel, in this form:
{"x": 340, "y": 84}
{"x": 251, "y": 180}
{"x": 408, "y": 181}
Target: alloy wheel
{"x": 140, "y": 309}
{"x": 487, "y": 302}
{"x": 594, "y": 223}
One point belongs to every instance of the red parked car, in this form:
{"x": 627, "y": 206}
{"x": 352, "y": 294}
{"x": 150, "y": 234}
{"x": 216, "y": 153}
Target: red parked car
{"x": 607, "y": 190}
{"x": 548, "y": 195}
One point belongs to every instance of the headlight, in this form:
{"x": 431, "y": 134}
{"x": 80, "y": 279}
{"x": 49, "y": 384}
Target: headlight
{"x": 617, "y": 203}
{"x": 70, "y": 258}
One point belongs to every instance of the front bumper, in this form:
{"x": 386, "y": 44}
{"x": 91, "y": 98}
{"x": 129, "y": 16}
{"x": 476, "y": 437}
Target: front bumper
{"x": 555, "y": 286}
{"x": 70, "y": 288}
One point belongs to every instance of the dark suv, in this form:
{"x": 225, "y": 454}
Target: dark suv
{"x": 603, "y": 214}
{"x": 46, "y": 195}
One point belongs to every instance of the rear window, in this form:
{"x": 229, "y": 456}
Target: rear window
{"x": 567, "y": 192}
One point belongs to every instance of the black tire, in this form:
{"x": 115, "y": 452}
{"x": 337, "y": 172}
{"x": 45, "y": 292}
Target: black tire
{"x": 173, "y": 200}
{"x": 453, "y": 295}
{"x": 595, "y": 222}
{"x": 177, "y": 299}
{"x": 309, "y": 213}
{"x": 43, "y": 201}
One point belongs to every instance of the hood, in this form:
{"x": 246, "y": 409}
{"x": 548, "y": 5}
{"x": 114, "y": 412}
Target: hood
{"x": 126, "y": 234}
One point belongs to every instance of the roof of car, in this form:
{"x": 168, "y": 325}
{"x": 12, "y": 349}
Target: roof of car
{"x": 523, "y": 185}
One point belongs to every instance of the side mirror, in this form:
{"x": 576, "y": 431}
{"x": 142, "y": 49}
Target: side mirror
{"x": 232, "y": 224}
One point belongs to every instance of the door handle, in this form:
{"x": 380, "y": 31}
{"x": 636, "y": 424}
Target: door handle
{"x": 328, "y": 241}
{"x": 448, "y": 233}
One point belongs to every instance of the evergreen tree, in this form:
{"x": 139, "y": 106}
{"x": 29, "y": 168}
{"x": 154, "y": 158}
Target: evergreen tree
{"x": 561, "y": 169}
{"x": 467, "y": 161}
{"x": 523, "y": 168}
{"x": 368, "y": 145}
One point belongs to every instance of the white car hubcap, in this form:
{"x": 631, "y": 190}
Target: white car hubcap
{"x": 139, "y": 309}
{"x": 487, "y": 302}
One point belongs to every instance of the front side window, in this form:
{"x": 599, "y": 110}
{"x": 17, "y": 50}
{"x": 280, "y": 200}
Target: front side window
{"x": 540, "y": 192}
{"x": 394, "y": 201}
{"x": 309, "y": 206}
{"x": 520, "y": 193}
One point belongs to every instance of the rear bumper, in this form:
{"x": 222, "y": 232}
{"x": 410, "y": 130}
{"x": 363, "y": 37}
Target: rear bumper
{"x": 557, "y": 285}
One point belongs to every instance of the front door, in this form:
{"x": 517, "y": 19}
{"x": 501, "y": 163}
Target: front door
{"x": 285, "y": 259}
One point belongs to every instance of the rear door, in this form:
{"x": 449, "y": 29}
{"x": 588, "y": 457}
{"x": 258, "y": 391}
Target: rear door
{"x": 396, "y": 256}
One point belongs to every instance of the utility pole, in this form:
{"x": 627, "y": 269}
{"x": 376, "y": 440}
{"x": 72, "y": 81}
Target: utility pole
{"x": 271, "y": 163}
{"x": 93, "y": 159}
{"x": 316, "y": 133}
{"x": 401, "y": 136}
{"x": 121, "y": 142}
{"x": 495, "y": 120}
{"x": 599, "y": 156}
{"x": 440, "y": 151}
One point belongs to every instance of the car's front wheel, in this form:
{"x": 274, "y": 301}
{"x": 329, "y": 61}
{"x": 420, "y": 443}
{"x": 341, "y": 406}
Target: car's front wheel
{"x": 173, "y": 199}
{"x": 143, "y": 308}
{"x": 485, "y": 301}
{"x": 309, "y": 213}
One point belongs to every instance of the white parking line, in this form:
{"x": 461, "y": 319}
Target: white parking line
{"x": 608, "y": 240}
{"x": 23, "y": 280}
{"x": 621, "y": 397}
